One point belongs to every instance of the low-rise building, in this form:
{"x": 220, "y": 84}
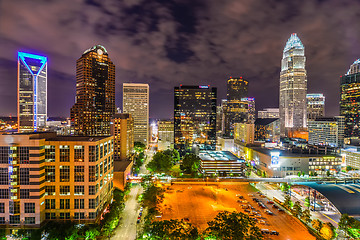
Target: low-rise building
{"x": 282, "y": 163}
{"x": 221, "y": 163}
{"x": 244, "y": 132}
{"x": 46, "y": 177}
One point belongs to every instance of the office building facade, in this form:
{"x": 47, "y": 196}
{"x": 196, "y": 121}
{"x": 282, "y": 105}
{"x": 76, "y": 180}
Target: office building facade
{"x": 194, "y": 117}
{"x": 293, "y": 86}
{"x": 136, "y": 102}
{"x": 315, "y": 106}
{"x": 269, "y": 113}
{"x": 95, "y": 93}
{"x": 46, "y": 177}
{"x": 267, "y": 130}
{"x": 350, "y": 101}
{"x": 32, "y": 92}
{"x": 236, "y": 108}
{"x": 122, "y": 129}
{"x": 165, "y": 134}
{"x": 327, "y": 131}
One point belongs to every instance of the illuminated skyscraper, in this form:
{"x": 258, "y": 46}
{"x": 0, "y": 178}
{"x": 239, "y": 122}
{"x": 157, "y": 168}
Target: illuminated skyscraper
{"x": 95, "y": 93}
{"x": 32, "y": 92}
{"x": 237, "y": 106}
{"x": 237, "y": 88}
{"x": 136, "y": 102}
{"x": 194, "y": 117}
{"x": 293, "y": 86}
{"x": 350, "y": 100}
{"x": 315, "y": 106}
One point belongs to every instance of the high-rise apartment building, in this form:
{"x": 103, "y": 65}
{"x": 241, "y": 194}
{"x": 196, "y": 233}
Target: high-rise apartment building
{"x": 327, "y": 131}
{"x": 350, "y": 101}
{"x": 122, "y": 128}
{"x": 269, "y": 113}
{"x": 136, "y": 102}
{"x": 32, "y": 92}
{"x": 293, "y": 86}
{"x": 165, "y": 134}
{"x": 315, "y": 106}
{"x": 95, "y": 93}
{"x": 45, "y": 177}
{"x": 194, "y": 117}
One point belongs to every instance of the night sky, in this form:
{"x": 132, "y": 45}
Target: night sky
{"x": 167, "y": 43}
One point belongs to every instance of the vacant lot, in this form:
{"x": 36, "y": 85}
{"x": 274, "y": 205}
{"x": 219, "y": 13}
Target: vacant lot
{"x": 200, "y": 203}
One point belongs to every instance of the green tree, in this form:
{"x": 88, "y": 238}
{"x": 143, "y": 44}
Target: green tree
{"x": 174, "y": 154}
{"x": 344, "y": 222}
{"x": 139, "y": 146}
{"x": 317, "y": 224}
{"x": 235, "y": 226}
{"x": 306, "y": 216}
{"x": 160, "y": 163}
{"x": 287, "y": 201}
{"x": 190, "y": 163}
{"x": 297, "y": 210}
{"x": 328, "y": 173}
{"x": 285, "y": 187}
{"x": 299, "y": 174}
{"x": 173, "y": 229}
{"x": 307, "y": 202}
{"x": 153, "y": 196}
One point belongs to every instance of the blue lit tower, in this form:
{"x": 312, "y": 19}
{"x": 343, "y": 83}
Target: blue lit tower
{"x": 32, "y": 92}
{"x": 293, "y": 86}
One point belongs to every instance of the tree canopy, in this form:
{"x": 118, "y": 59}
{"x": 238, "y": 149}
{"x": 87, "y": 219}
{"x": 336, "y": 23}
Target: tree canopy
{"x": 190, "y": 163}
{"x": 160, "y": 163}
{"x": 235, "y": 225}
{"x": 172, "y": 229}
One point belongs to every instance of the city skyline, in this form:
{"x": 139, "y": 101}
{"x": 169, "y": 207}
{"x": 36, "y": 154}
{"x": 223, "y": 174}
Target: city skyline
{"x": 166, "y": 43}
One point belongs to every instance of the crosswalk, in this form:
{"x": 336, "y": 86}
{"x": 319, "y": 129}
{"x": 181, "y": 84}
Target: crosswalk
{"x": 348, "y": 188}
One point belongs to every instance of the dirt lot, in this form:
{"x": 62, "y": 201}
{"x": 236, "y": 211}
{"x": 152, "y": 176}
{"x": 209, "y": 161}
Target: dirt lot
{"x": 200, "y": 203}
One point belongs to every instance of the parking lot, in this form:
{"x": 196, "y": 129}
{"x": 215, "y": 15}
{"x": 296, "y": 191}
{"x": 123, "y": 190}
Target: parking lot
{"x": 199, "y": 203}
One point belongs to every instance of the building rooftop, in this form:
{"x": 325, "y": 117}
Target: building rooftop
{"x": 293, "y": 42}
{"x": 345, "y": 197}
{"x": 218, "y": 156}
{"x": 285, "y": 153}
{"x": 78, "y": 138}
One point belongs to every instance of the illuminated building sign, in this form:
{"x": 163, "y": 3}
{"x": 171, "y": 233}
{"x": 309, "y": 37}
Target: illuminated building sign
{"x": 204, "y": 86}
{"x": 275, "y": 156}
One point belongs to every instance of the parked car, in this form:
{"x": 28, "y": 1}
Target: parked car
{"x": 274, "y": 233}
{"x": 271, "y": 202}
{"x": 281, "y": 210}
{"x": 265, "y": 231}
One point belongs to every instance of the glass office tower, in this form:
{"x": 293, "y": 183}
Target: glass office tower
{"x": 32, "y": 92}
{"x": 350, "y": 100}
{"x": 194, "y": 117}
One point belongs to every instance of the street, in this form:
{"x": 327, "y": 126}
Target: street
{"x": 128, "y": 227}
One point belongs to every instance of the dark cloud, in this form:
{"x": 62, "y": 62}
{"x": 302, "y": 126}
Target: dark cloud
{"x": 169, "y": 42}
